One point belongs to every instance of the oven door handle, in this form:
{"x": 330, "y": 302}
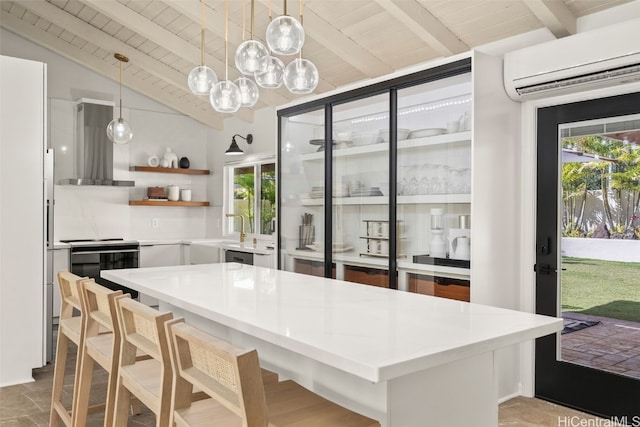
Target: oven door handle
{"x": 112, "y": 251}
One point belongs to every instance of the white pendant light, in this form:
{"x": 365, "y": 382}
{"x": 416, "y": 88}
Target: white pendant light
{"x": 249, "y": 92}
{"x": 301, "y": 75}
{"x": 251, "y": 52}
{"x": 225, "y": 95}
{"x": 119, "y": 130}
{"x": 271, "y": 73}
{"x": 285, "y": 35}
{"x": 202, "y": 78}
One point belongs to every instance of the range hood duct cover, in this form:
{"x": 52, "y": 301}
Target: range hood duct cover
{"x": 94, "y": 150}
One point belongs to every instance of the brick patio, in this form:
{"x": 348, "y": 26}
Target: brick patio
{"x": 612, "y": 346}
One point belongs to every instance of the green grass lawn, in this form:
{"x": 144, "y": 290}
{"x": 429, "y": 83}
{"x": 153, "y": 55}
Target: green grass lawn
{"x": 601, "y": 288}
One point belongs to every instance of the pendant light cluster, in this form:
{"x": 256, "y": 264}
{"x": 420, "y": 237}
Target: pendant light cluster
{"x": 284, "y": 36}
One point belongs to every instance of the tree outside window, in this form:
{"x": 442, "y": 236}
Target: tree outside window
{"x": 250, "y": 196}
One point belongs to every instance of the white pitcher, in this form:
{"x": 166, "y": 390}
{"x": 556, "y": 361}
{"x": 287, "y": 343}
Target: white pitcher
{"x": 460, "y": 248}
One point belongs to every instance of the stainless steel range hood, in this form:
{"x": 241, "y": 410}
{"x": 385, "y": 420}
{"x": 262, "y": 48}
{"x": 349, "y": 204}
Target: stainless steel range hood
{"x": 93, "y": 162}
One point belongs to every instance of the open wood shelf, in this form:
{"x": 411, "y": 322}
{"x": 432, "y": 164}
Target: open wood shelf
{"x": 165, "y": 203}
{"x": 169, "y": 170}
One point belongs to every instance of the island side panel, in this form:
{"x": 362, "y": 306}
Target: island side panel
{"x": 462, "y": 393}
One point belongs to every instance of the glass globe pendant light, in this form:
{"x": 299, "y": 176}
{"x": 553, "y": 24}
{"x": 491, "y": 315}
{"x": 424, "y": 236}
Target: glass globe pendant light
{"x": 119, "y": 130}
{"x": 271, "y": 70}
{"x": 285, "y": 35}
{"x": 301, "y": 75}
{"x": 271, "y": 73}
{"x": 250, "y": 52}
{"x": 225, "y": 95}
{"x": 249, "y": 92}
{"x": 202, "y": 78}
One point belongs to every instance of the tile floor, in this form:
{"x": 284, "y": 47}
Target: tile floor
{"x": 612, "y": 346}
{"x": 28, "y": 404}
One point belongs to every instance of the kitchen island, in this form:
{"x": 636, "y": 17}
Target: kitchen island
{"x": 404, "y": 359}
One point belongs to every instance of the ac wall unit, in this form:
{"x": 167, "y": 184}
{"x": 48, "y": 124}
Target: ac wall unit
{"x": 585, "y": 61}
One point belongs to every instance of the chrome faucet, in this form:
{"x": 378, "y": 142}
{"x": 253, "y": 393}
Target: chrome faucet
{"x": 242, "y": 233}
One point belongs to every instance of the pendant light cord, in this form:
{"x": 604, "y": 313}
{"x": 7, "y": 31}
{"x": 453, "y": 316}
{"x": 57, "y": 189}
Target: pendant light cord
{"x": 301, "y": 21}
{"x": 285, "y": 6}
{"x": 252, "y": 12}
{"x": 202, "y": 26}
{"x": 226, "y": 39}
{"x": 243, "y": 22}
{"x": 120, "y": 78}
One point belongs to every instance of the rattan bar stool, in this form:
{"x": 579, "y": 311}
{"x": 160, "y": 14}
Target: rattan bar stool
{"x": 99, "y": 308}
{"x": 142, "y": 329}
{"x": 70, "y": 328}
{"x": 238, "y": 397}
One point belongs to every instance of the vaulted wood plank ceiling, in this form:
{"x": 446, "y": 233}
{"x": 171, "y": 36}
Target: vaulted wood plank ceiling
{"x": 348, "y": 40}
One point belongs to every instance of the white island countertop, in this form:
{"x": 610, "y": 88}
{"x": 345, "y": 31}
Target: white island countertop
{"x": 374, "y": 333}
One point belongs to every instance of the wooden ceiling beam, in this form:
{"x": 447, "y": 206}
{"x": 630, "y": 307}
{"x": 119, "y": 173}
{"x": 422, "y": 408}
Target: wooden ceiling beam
{"x": 106, "y": 69}
{"x": 425, "y": 25}
{"x": 109, "y": 43}
{"x": 152, "y": 31}
{"x": 554, "y": 15}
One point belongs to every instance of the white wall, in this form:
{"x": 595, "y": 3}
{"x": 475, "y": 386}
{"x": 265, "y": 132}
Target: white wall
{"x": 100, "y": 212}
{"x": 264, "y": 133}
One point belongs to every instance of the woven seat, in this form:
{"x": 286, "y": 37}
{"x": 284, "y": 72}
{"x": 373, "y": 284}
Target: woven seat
{"x": 238, "y": 396}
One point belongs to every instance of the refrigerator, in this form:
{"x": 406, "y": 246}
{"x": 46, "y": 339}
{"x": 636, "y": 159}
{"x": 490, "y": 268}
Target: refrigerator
{"x": 22, "y": 218}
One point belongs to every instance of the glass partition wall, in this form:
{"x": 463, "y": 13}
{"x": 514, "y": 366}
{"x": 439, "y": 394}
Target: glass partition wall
{"x": 302, "y": 191}
{"x": 388, "y": 201}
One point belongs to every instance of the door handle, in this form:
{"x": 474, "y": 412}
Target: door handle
{"x": 545, "y": 269}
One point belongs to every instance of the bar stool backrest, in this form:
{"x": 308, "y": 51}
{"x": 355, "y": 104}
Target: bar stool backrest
{"x": 142, "y": 327}
{"x": 70, "y": 293}
{"x": 99, "y": 307}
{"x": 228, "y": 374}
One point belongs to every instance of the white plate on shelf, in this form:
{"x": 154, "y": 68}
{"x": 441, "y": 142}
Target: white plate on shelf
{"x": 335, "y": 249}
{"x": 421, "y": 133}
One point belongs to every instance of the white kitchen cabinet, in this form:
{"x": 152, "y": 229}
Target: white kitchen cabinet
{"x": 158, "y": 255}
{"x": 23, "y": 115}
{"x": 204, "y": 253}
{"x": 262, "y": 260}
{"x": 60, "y": 262}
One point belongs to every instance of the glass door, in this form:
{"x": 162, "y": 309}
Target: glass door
{"x": 588, "y": 255}
{"x": 302, "y": 192}
{"x": 360, "y": 192}
{"x": 434, "y": 186}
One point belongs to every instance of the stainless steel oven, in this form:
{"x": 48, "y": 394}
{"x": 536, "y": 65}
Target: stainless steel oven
{"x": 90, "y": 257}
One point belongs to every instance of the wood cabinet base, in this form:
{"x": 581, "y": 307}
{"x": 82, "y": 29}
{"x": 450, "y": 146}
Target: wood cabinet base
{"x": 165, "y": 203}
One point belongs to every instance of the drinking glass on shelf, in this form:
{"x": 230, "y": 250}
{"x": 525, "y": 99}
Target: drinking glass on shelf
{"x": 440, "y": 183}
{"x": 455, "y": 180}
{"x": 466, "y": 181}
